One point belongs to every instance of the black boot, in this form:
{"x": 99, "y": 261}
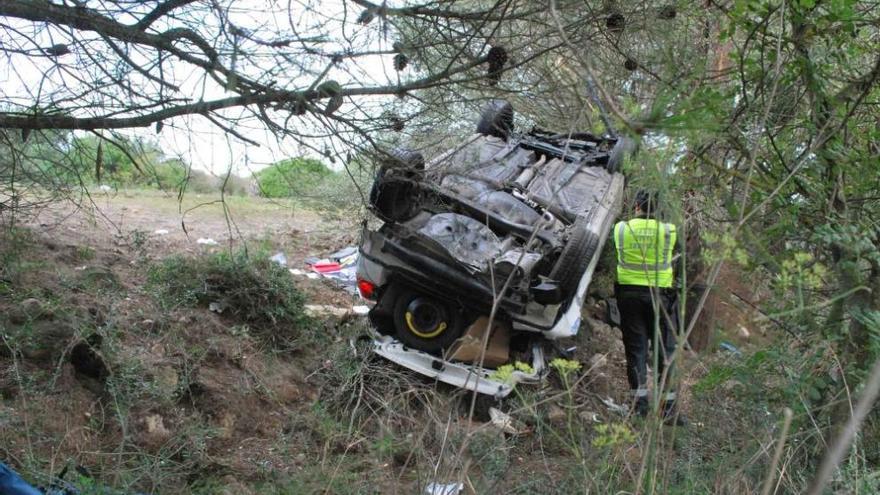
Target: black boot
{"x": 672, "y": 416}
{"x": 641, "y": 407}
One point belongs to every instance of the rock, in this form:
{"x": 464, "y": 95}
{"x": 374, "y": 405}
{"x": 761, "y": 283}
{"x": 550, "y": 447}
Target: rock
{"x": 598, "y": 361}
{"x": 33, "y": 307}
{"x": 225, "y": 424}
{"x": 47, "y": 342}
{"x": 30, "y": 309}
{"x": 556, "y": 415}
{"x": 589, "y": 417}
{"x": 156, "y": 426}
{"x": 153, "y": 433}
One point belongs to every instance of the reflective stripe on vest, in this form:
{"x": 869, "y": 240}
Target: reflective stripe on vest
{"x": 655, "y": 268}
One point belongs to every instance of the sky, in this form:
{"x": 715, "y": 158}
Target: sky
{"x": 193, "y": 138}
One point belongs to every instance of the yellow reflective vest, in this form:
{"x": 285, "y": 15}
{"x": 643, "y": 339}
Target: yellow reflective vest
{"x": 644, "y": 252}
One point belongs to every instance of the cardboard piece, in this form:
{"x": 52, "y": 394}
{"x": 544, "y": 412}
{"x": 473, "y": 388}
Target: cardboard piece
{"x": 469, "y": 346}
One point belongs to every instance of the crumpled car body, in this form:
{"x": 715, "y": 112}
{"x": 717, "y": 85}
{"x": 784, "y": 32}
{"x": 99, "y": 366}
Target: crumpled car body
{"x": 504, "y": 226}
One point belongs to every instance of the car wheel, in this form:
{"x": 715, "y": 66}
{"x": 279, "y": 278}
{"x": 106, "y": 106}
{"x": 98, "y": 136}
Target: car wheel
{"x": 405, "y": 158}
{"x": 397, "y": 200}
{"x": 575, "y": 257}
{"x": 496, "y": 119}
{"x": 426, "y": 323}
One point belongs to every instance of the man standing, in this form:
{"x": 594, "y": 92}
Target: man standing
{"x": 646, "y": 302}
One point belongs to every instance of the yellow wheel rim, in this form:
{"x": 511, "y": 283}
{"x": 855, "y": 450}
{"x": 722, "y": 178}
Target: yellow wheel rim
{"x": 425, "y": 335}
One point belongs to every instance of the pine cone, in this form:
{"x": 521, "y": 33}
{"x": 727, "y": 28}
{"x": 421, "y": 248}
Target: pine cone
{"x": 366, "y": 17}
{"x": 57, "y": 50}
{"x": 397, "y": 123}
{"x": 400, "y": 62}
{"x": 496, "y": 58}
{"x": 615, "y": 22}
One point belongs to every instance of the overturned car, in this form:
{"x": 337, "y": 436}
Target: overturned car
{"x": 507, "y": 227}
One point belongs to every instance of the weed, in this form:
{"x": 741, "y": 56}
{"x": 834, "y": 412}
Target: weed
{"x": 252, "y": 291}
{"x": 85, "y": 253}
{"x": 490, "y": 451}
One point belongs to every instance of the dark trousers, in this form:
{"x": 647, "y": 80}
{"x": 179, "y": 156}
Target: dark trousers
{"x": 638, "y": 323}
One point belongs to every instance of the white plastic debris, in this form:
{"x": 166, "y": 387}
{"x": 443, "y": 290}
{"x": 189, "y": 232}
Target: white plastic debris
{"x": 502, "y": 421}
{"x": 615, "y": 407}
{"x": 360, "y": 310}
{"x": 207, "y": 241}
{"x": 589, "y": 416}
{"x": 444, "y": 488}
{"x": 297, "y": 272}
{"x": 161, "y": 231}
{"x": 279, "y": 258}
{"x": 313, "y": 275}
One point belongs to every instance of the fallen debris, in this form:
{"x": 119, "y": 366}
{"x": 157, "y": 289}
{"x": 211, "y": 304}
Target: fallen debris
{"x": 161, "y": 231}
{"x": 727, "y": 346}
{"x": 615, "y": 407}
{"x": 207, "y": 241}
{"x": 279, "y": 258}
{"x": 339, "y": 267}
{"x": 324, "y": 310}
{"x": 504, "y": 422}
{"x": 444, "y": 488}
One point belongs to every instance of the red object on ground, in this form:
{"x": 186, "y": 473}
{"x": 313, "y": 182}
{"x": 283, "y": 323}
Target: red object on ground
{"x": 327, "y": 267}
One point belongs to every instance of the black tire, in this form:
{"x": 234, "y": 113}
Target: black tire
{"x": 496, "y": 119}
{"x": 404, "y": 158}
{"x": 397, "y": 200}
{"x": 425, "y": 322}
{"x": 575, "y": 257}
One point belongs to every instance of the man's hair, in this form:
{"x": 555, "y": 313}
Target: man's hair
{"x": 646, "y": 202}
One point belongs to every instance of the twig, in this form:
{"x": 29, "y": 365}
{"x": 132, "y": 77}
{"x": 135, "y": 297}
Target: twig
{"x": 841, "y": 444}
{"x": 780, "y": 445}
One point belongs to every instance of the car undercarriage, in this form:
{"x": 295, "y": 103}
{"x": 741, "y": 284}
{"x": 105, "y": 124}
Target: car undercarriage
{"x": 508, "y": 225}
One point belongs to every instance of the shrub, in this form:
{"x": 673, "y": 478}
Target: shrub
{"x": 291, "y": 177}
{"x": 251, "y": 290}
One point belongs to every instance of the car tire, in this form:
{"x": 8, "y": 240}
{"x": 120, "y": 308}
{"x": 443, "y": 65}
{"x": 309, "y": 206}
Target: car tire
{"x": 405, "y": 158}
{"x": 575, "y": 257}
{"x": 496, "y": 119}
{"x": 397, "y": 200}
{"x": 425, "y": 322}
